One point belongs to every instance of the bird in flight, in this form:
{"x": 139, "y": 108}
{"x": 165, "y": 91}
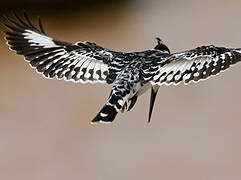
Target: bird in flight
{"x": 131, "y": 74}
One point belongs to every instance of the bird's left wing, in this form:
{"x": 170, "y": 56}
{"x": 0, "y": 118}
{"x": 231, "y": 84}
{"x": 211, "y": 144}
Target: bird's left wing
{"x": 80, "y": 62}
{"x": 193, "y": 65}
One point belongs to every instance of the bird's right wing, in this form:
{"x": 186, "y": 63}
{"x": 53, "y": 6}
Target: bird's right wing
{"x": 80, "y": 62}
{"x": 192, "y": 65}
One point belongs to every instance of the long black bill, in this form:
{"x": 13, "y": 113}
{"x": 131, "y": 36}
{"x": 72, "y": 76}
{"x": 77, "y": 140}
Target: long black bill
{"x": 154, "y": 91}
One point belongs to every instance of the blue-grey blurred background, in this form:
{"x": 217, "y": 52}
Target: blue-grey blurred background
{"x": 45, "y": 130}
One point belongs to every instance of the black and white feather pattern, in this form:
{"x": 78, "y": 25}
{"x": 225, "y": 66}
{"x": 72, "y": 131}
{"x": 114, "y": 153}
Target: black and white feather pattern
{"x": 132, "y": 73}
{"x": 80, "y": 62}
{"x": 193, "y": 65}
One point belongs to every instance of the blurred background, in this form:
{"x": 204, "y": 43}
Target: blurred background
{"x": 45, "y": 130}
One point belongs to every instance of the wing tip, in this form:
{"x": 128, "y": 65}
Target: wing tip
{"x": 23, "y": 23}
{"x": 41, "y": 25}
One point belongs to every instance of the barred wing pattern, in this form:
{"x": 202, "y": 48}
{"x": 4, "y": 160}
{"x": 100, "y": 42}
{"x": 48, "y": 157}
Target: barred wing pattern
{"x": 193, "y": 65}
{"x": 80, "y": 62}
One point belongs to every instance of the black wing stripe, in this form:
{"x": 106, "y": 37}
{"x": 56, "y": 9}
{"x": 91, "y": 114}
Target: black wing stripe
{"x": 78, "y": 70}
{"x": 41, "y": 59}
{"x": 52, "y": 65}
{"x": 64, "y": 68}
{"x": 56, "y": 68}
{"x": 84, "y": 69}
{"x": 187, "y": 68}
{"x": 70, "y": 69}
{"x": 52, "y": 71}
{"x": 79, "y": 62}
{"x": 41, "y": 26}
{"x": 29, "y": 22}
{"x": 14, "y": 23}
{"x": 20, "y": 20}
{"x": 15, "y": 29}
{"x": 41, "y": 52}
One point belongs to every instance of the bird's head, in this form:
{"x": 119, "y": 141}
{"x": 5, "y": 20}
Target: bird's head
{"x": 161, "y": 46}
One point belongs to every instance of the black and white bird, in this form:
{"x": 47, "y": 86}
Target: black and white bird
{"x": 132, "y": 74}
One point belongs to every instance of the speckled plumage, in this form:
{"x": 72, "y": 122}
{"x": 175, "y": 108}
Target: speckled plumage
{"x": 132, "y": 74}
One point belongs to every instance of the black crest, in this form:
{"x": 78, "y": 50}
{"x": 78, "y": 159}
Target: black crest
{"x": 161, "y": 46}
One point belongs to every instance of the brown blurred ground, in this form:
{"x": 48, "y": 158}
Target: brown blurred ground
{"x": 45, "y": 130}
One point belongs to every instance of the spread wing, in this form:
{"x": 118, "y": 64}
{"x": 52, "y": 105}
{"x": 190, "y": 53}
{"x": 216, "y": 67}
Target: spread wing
{"x": 193, "y": 65}
{"x": 79, "y": 62}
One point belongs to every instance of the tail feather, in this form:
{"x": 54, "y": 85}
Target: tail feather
{"x": 106, "y": 115}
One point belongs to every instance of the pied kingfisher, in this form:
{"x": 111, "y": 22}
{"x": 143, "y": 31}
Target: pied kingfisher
{"x": 132, "y": 73}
